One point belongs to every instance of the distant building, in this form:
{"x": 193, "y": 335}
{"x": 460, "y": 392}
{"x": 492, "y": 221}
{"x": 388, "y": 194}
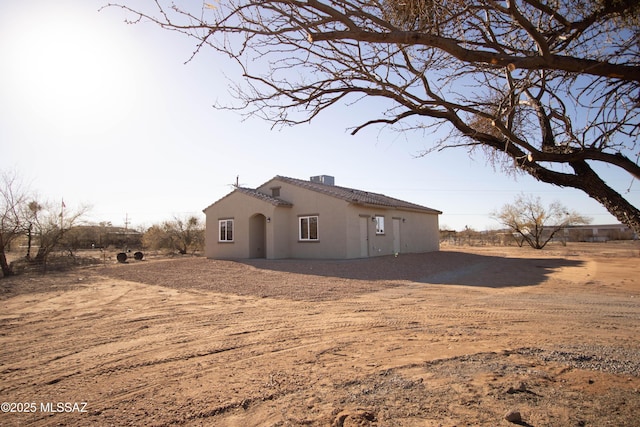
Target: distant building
{"x": 598, "y": 233}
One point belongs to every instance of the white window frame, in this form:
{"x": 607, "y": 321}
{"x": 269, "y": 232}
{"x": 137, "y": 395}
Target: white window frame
{"x": 226, "y": 223}
{"x": 379, "y": 219}
{"x": 308, "y": 219}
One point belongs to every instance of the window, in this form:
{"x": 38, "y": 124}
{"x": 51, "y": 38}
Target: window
{"x": 226, "y": 230}
{"x": 275, "y": 191}
{"x": 379, "y": 224}
{"x": 308, "y": 227}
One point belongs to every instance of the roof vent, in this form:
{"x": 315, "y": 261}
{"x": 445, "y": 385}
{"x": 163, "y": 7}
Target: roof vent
{"x": 323, "y": 179}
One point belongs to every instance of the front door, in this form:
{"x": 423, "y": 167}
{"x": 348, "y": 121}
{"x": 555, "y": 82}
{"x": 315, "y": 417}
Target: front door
{"x": 396, "y": 235}
{"x": 364, "y": 236}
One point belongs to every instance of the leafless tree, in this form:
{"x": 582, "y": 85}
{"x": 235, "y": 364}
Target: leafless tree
{"x": 545, "y": 87}
{"x": 33, "y": 209}
{"x": 188, "y": 234}
{"x": 530, "y": 221}
{"x": 49, "y": 223}
{"x": 13, "y": 196}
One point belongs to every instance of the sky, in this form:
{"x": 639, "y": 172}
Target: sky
{"x": 100, "y": 113}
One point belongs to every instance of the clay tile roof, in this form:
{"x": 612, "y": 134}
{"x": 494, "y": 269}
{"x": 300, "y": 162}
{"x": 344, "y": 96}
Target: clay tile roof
{"x": 352, "y": 195}
{"x": 265, "y": 197}
{"x": 254, "y": 193}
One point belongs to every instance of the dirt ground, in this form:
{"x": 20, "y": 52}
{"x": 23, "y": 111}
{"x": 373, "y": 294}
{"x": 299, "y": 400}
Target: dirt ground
{"x": 459, "y": 337}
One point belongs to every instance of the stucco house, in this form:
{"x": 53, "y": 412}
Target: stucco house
{"x": 293, "y": 218}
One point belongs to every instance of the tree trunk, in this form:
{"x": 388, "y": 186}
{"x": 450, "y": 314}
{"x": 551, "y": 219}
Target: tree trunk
{"x": 6, "y": 268}
{"x": 29, "y": 238}
{"x": 597, "y": 189}
{"x": 41, "y": 255}
{"x": 587, "y": 180}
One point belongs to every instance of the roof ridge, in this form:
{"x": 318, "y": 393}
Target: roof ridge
{"x": 264, "y": 196}
{"x": 363, "y": 196}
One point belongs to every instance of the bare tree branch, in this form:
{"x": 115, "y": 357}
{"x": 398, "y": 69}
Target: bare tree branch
{"x": 546, "y": 88}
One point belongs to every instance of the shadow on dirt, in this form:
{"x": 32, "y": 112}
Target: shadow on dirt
{"x": 446, "y": 268}
{"x": 324, "y": 280}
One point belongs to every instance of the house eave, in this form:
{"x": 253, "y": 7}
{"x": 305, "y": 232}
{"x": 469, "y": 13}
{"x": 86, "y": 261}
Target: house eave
{"x": 254, "y": 194}
{"x": 399, "y": 208}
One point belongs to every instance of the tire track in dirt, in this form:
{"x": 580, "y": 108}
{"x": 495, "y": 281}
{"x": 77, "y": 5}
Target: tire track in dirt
{"x": 147, "y": 354}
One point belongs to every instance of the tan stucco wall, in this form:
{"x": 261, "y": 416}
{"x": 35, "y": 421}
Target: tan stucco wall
{"x": 241, "y": 208}
{"x": 419, "y": 231}
{"x": 331, "y": 222}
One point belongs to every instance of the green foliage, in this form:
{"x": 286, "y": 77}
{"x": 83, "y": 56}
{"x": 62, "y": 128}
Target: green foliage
{"x": 184, "y": 235}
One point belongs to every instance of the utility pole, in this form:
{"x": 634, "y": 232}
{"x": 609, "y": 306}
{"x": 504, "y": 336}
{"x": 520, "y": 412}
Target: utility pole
{"x": 126, "y": 231}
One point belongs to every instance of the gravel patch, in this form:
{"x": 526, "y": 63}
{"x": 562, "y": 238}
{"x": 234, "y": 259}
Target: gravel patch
{"x": 613, "y": 360}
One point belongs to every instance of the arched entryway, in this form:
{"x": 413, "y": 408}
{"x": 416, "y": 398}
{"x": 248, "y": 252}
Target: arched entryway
{"x": 258, "y": 236}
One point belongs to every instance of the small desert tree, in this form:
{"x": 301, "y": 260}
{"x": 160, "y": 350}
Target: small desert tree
{"x": 534, "y": 223}
{"x": 49, "y": 224}
{"x": 180, "y": 234}
{"x": 188, "y": 234}
{"x": 29, "y": 215}
{"x": 156, "y": 237}
{"x": 12, "y": 199}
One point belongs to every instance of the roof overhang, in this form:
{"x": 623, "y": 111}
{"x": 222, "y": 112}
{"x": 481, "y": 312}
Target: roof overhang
{"x": 398, "y": 208}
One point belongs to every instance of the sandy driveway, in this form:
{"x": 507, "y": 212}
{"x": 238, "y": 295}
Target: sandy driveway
{"x": 454, "y": 338}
